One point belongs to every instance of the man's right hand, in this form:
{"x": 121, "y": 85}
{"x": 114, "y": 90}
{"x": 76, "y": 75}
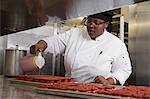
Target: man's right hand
{"x": 101, "y": 80}
{"x": 40, "y": 46}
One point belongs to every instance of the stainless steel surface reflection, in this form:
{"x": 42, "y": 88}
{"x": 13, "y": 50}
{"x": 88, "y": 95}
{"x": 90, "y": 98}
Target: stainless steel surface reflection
{"x": 14, "y": 91}
{"x": 139, "y": 42}
{"x": 12, "y": 58}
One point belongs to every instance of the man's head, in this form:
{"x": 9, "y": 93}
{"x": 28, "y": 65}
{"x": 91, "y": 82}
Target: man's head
{"x": 97, "y": 23}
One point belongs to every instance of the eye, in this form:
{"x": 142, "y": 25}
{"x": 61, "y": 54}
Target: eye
{"x": 96, "y": 22}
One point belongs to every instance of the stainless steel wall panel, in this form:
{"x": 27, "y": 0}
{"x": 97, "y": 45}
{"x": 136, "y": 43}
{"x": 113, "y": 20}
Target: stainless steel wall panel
{"x": 3, "y": 45}
{"x": 139, "y": 41}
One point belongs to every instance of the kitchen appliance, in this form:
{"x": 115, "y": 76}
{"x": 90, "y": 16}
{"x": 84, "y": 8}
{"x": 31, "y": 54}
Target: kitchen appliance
{"x": 12, "y": 60}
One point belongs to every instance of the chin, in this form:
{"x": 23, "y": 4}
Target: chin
{"x": 92, "y": 36}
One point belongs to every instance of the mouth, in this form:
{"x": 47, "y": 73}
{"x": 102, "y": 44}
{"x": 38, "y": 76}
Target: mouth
{"x": 91, "y": 31}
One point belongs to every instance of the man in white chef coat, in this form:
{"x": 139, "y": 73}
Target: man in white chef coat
{"x": 92, "y": 55}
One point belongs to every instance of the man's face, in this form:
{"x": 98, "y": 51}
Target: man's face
{"x": 95, "y": 27}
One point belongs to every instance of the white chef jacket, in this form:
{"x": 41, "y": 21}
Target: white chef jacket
{"x": 84, "y": 58}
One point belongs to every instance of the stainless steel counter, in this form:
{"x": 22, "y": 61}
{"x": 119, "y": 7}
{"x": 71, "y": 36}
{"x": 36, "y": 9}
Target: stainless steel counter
{"x": 18, "y": 91}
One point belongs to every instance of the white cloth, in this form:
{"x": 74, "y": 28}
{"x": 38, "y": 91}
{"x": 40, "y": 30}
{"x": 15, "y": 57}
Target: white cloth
{"x": 86, "y": 58}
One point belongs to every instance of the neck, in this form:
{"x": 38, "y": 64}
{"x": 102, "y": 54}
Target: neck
{"x": 93, "y": 38}
{"x": 97, "y": 36}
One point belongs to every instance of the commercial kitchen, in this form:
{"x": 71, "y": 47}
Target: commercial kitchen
{"x": 24, "y": 22}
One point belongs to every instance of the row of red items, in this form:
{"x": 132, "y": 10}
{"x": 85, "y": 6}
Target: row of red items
{"x": 129, "y": 91}
{"x": 44, "y": 78}
{"x": 126, "y": 91}
{"x": 82, "y": 87}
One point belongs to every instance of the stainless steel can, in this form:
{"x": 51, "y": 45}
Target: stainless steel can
{"x": 12, "y": 62}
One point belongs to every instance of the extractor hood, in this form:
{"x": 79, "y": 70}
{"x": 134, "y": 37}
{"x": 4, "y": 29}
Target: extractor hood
{"x": 18, "y": 15}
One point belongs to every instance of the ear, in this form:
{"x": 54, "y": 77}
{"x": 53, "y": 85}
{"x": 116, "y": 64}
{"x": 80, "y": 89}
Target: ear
{"x": 106, "y": 24}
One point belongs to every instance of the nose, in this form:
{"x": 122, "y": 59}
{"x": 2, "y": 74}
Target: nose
{"x": 91, "y": 24}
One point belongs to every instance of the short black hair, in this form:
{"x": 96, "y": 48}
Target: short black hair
{"x": 106, "y": 16}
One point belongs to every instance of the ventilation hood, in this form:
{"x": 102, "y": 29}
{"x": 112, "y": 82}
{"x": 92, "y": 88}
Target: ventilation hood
{"x": 18, "y": 15}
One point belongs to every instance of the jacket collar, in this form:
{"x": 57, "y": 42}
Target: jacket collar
{"x": 101, "y": 37}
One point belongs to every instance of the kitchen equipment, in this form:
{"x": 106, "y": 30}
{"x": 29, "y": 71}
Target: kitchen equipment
{"x": 12, "y": 57}
{"x": 32, "y": 62}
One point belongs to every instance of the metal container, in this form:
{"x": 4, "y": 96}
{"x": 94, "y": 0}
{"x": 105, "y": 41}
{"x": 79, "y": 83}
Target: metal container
{"x": 32, "y": 62}
{"x": 12, "y": 60}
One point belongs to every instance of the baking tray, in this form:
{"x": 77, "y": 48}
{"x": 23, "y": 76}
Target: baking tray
{"x": 22, "y": 82}
{"x": 34, "y": 80}
{"x": 67, "y": 93}
{"x": 44, "y": 78}
{"x": 76, "y": 94}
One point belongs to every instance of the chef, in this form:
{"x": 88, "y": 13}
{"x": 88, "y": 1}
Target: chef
{"x": 91, "y": 55}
